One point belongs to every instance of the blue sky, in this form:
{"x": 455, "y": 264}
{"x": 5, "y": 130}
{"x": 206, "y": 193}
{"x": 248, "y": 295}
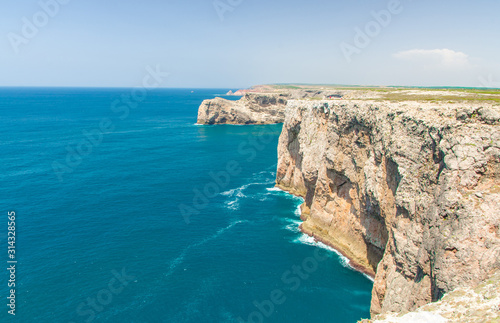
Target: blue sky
{"x": 248, "y": 42}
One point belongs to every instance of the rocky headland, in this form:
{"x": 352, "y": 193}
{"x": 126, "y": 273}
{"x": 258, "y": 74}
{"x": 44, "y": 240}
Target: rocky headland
{"x": 258, "y": 105}
{"x": 404, "y": 182}
{"x": 252, "y": 108}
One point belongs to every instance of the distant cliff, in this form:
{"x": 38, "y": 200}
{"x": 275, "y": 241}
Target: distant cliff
{"x": 261, "y": 104}
{"x": 252, "y": 108}
{"x": 409, "y": 191}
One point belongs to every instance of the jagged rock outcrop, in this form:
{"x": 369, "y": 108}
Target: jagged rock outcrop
{"x": 409, "y": 191}
{"x": 464, "y": 304}
{"x": 252, "y": 108}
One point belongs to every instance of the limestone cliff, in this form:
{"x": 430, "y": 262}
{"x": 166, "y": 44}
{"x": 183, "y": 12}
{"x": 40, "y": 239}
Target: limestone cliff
{"x": 409, "y": 191}
{"x": 252, "y": 108}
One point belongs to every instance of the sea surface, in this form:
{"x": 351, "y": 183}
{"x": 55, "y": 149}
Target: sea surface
{"x": 127, "y": 211}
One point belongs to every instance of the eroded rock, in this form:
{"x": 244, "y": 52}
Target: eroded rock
{"x": 409, "y": 191}
{"x": 252, "y": 108}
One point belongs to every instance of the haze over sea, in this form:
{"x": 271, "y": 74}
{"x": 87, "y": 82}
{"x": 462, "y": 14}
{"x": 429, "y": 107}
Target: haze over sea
{"x": 105, "y": 241}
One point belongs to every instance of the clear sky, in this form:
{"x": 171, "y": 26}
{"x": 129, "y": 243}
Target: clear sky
{"x": 239, "y": 43}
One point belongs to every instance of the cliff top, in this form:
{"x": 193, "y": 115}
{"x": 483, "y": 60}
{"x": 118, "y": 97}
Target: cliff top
{"x": 265, "y": 104}
{"x": 394, "y": 94}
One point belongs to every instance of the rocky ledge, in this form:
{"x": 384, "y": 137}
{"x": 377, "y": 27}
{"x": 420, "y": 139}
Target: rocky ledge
{"x": 465, "y": 304}
{"x": 409, "y": 191}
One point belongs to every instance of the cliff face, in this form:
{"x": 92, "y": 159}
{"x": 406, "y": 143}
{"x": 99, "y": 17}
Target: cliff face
{"x": 253, "y": 108}
{"x": 409, "y": 191}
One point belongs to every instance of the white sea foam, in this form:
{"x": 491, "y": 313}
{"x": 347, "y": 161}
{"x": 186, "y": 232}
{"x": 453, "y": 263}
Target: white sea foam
{"x": 277, "y": 190}
{"x": 263, "y": 198}
{"x": 234, "y": 196}
{"x": 298, "y": 210}
{"x": 219, "y": 232}
{"x": 238, "y": 190}
{"x": 267, "y": 176}
{"x": 138, "y": 130}
{"x": 179, "y": 259}
{"x": 229, "y": 193}
{"x": 293, "y": 226}
{"x": 175, "y": 262}
{"x": 129, "y": 131}
{"x": 233, "y": 205}
{"x": 311, "y": 241}
{"x": 261, "y": 178}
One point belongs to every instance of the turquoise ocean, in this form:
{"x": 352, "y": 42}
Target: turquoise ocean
{"x": 127, "y": 211}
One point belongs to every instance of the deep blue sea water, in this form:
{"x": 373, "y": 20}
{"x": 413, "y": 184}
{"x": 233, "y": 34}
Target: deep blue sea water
{"x": 144, "y": 223}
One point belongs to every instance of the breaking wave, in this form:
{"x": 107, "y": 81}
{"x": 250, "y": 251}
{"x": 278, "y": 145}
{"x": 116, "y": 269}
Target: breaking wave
{"x": 311, "y": 241}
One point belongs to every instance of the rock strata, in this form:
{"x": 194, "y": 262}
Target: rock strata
{"x": 409, "y": 191}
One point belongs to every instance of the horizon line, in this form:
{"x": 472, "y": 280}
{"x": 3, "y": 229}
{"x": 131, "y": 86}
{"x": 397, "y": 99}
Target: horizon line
{"x": 250, "y": 87}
